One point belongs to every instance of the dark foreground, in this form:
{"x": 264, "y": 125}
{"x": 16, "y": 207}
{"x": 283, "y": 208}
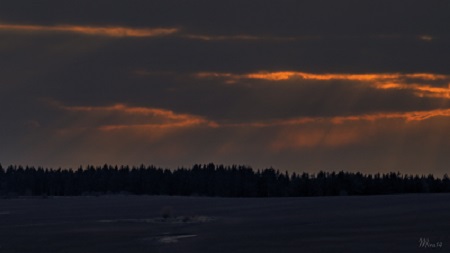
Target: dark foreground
{"x": 135, "y": 224}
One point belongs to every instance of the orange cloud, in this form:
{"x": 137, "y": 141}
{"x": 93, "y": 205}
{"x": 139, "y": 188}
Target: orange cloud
{"x": 127, "y": 117}
{"x": 406, "y": 116}
{"x": 110, "y": 31}
{"x": 378, "y": 81}
{"x": 286, "y": 75}
{"x": 141, "y": 118}
{"x": 429, "y": 91}
{"x": 157, "y": 125}
{"x": 426, "y": 38}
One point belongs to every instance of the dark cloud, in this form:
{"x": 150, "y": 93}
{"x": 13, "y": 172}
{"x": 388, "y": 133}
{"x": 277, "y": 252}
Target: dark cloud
{"x": 47, "y": 69}
{"x": 250, "y": 17}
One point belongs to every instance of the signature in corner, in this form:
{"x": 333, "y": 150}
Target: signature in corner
{"x": 425, "y": 243}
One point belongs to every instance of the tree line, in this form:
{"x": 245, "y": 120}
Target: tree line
{"x": 208, "y": 180}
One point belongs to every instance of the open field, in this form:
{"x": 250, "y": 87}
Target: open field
{"x": 195, "y": 224}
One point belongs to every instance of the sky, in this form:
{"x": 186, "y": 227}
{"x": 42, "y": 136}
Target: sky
{"x": 355, "y": 85}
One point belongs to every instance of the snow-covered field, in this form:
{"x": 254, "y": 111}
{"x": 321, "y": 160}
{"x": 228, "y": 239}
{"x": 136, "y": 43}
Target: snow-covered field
{"x": 397, "y": 223}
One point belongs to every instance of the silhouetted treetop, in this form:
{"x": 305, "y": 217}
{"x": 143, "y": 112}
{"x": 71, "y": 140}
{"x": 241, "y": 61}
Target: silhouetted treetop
{"x": 208, "y": 180}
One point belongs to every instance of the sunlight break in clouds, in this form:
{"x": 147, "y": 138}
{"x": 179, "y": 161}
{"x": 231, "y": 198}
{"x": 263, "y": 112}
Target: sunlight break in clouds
{"x": 110, "y": 31}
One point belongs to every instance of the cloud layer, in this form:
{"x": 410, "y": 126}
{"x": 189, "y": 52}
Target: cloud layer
{"x": 91, "y": 30}
{"x": 299, "y": 85}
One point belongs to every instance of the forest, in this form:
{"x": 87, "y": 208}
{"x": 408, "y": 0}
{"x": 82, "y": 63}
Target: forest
{"x": 208, "y": 180}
